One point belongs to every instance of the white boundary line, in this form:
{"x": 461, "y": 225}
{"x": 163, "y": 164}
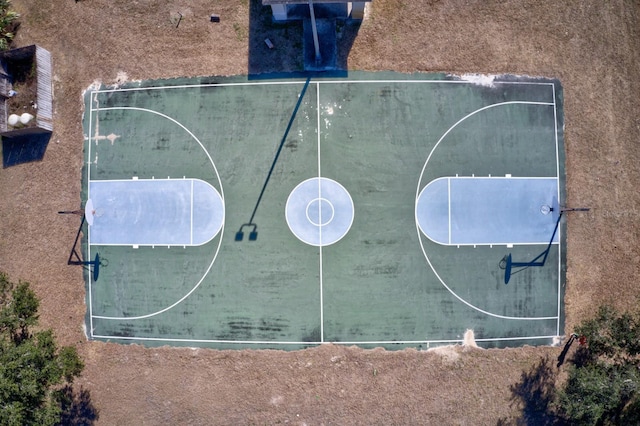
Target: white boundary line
{"x": 555, "y": 122}
{"x": 411, "y": 81}
{"x": 285, "y": 83}
{"x": 367, "y": 342}
{"x": 496, "y": 177}
{"x": 320, "y": 215}
{"x": 318, "y": 113}
{"x": 91, "y": 95}
{"x": 192, "y": 212}
{"x": 449, "y": 206}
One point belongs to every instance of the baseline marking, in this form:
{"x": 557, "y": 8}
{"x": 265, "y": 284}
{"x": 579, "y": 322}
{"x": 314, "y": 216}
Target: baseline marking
{"x": 91, "y": 97}
{"x": 555, "y": 122}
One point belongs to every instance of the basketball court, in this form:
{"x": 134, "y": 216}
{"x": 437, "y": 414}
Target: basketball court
{"x": 378, "y": 210}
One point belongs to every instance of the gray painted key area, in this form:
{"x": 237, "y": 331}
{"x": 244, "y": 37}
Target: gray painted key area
{"x": 488, "y": 210}
{"x": 167, "y": 212}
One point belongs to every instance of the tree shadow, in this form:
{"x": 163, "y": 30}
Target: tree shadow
{"x": 347, "y": 32}
{"x": 534, "y": 393}
{"x": 76, "y": 407}
{"x": 582, "y": 357}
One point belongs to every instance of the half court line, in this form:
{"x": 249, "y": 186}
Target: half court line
{"x": 320, "y": 212}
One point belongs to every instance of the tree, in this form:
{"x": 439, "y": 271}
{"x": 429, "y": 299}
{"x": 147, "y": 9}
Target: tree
{"x": 8, "y": 24}
{"x": 603, "y": 377}
{"x": 35, "y": 375}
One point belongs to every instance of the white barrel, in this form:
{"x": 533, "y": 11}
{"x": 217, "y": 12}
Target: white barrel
{"x": 26, "y": 118}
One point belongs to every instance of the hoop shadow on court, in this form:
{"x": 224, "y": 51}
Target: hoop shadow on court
{"x": 282, "y": 47}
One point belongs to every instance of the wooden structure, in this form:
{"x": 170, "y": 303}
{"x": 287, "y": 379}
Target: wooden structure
{"x": 29, "y": 70}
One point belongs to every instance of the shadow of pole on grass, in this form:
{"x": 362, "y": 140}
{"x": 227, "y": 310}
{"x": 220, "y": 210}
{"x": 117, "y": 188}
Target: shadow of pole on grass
{"x": 534, "y": 394}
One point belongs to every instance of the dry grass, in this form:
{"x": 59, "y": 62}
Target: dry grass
{"x": 592, "y": 46}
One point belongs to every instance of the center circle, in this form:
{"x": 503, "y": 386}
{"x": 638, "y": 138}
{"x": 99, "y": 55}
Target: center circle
{"x": 318, "y": 210}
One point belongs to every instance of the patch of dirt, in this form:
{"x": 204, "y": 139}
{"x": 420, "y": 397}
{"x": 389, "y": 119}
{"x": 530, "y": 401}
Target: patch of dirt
{"x": 592, "y": 46}
{"x": 469, "y": 339}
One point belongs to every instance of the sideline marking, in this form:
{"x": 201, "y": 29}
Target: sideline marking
{"x": 285, "y": 83}
{"x": 320, "y": 212}
{"x": 368, "y": 342}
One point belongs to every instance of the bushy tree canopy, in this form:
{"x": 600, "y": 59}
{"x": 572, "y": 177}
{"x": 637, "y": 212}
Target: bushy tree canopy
{"x": 603, "y": 383}
{"x": 34, "y": 372}
{"x": 604, "y": 380}
{"x": 8, "y": 24}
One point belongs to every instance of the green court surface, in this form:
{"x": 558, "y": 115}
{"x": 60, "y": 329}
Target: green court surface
{"x": 347, "y": 259}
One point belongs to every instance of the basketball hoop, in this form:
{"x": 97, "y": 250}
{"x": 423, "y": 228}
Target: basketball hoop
{"x": 89, "y": 212}
{"x": 546, "y": 209}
